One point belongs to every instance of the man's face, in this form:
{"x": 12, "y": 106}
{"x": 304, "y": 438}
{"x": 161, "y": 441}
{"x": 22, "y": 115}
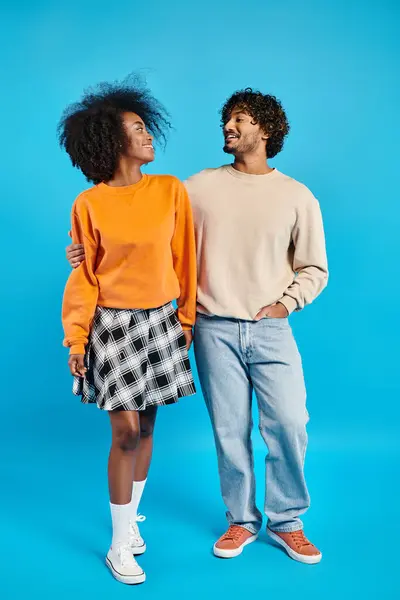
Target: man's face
{"x": 242, "y": 135}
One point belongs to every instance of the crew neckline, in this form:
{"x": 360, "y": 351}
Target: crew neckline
{"x": 121, "y": 190}
{"x": 250, "y": 176}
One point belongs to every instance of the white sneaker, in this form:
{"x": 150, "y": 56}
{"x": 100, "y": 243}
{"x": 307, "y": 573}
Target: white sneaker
{"x": 136, "y": 542}
{"x": 123, "y": 566}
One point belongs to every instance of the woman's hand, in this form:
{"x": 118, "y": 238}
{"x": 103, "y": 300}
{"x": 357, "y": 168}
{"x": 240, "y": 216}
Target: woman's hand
{"x": 77, "y": 365}
{"x": 189, "y": 337}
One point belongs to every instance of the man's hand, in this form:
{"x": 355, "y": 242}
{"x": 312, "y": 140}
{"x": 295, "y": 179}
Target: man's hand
{"x": 75, "y": 254}
{"x": 273, "y": 311}
{"x": 76, "y": 365}
{"x": 189, "y": 337}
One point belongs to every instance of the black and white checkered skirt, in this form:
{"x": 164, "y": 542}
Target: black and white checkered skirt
{"x": 135, "y": 359}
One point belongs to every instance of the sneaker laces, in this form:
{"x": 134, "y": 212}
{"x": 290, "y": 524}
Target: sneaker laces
{"x": 234, "y": 533}
{"x": 134, "y": 527}
{"x": 125, "y": 555}
{"x": 299, "y": 538}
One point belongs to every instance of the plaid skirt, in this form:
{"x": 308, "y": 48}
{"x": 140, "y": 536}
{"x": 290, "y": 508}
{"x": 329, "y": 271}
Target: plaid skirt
{"x": 135, "y": 358}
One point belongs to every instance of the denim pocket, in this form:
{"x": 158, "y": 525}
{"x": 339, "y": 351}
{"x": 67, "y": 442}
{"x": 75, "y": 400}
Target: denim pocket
{"x": 202, "y": 319}
{"x": 276, "y": 321}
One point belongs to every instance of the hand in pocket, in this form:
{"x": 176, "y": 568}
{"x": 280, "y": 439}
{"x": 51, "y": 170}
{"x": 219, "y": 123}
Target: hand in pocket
{"x": 273, "y": 311}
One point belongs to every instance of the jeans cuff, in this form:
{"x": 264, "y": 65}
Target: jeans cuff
{"x": 251, "y": 528}
{"x": 286, "y": 529}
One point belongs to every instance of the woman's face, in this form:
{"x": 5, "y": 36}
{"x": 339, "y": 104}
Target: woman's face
{"x": 140, "y": 141}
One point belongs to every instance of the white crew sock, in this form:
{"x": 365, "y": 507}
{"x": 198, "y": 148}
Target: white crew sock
{"x": 137, "y": 491}
{"x": 120, "y": 515}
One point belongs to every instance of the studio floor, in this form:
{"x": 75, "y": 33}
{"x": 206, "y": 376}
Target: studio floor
{"x": 56, "y": 529}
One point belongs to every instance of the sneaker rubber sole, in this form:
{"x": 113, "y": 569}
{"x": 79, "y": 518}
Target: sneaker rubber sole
{"x": 224, "y": 553}
{"x": 128, "y": 579}
{"x": 137, "y": 550}
{"x": 303, "y": 558}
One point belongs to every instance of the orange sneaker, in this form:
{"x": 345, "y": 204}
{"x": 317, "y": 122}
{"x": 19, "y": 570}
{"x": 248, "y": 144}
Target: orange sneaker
{"x": 296, "y": 545}
{"x": 233, "y": 541}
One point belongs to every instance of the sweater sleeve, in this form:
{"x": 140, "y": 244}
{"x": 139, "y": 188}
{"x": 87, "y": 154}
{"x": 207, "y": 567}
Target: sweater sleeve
{"x": 184, "y": 258}
{"x": 81, "y": 290}
{"x": 309, "y": 258}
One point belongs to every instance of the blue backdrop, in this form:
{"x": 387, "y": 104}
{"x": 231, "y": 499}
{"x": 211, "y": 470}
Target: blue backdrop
{"x": 335, "y": 66}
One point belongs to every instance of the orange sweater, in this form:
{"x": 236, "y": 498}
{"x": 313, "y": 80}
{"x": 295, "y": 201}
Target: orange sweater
{"x": 140, "y": 253}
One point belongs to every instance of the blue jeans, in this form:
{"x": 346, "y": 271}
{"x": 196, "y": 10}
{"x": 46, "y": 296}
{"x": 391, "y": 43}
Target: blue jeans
{"x": 234, "y": 358}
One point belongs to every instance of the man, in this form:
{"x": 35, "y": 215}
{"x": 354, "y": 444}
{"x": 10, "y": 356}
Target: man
{"x": 261, "y": 255}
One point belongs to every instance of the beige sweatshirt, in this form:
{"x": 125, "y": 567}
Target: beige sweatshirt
{"x": 260, "y": 240}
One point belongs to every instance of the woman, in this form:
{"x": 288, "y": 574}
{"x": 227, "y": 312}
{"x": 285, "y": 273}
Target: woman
{"x": 128, "y": 347}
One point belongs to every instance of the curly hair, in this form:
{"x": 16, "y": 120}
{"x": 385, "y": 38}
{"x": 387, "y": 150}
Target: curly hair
{"x": 266, "y": 110}
{"x": 92, "y": 132}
